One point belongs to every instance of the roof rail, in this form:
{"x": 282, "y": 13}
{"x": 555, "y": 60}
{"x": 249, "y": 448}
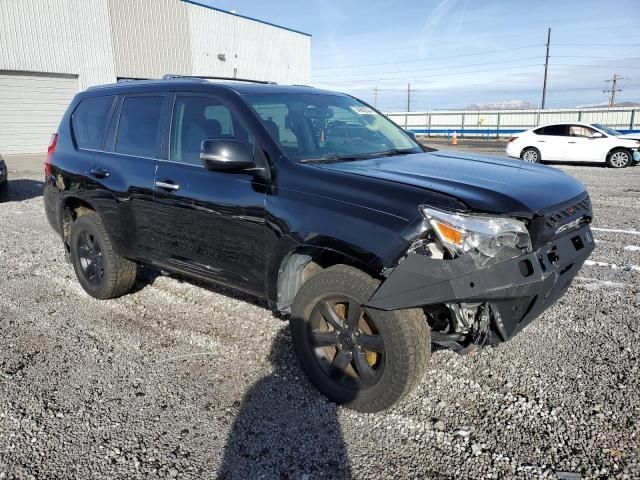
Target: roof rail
{"x": 230, "y": 79}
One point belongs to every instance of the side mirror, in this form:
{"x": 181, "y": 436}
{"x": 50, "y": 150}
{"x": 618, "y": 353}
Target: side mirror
{"x": 411, "y": 134}
{"x": 596, "y": 135}
{"x": 225, "y": 155}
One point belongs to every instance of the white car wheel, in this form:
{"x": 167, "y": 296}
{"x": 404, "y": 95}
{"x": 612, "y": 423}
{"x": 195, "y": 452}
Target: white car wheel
{"x": 531, "y": 155}
{"x": 619, "y": 159}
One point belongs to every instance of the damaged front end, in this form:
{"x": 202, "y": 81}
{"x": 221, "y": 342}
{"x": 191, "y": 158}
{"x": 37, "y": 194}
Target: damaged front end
{"x": 480, "y": 279}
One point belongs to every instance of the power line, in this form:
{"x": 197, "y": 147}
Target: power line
{"x": 428, "y": 58}
{"x": 436, "y": 68}
{"x": 591, "y": 66}
{"x": 433, "y": 75}
{"x": 598, "y": 44}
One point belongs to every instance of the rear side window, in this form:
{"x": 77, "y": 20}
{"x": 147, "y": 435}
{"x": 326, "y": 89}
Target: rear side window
{"x": 556, "y": 130}
{"x": 89, "y": 120}
{"x": 138, "y": 126}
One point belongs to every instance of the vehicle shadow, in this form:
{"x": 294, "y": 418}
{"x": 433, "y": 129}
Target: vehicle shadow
{"x": 23, "y": 189}
{"x": 285, "y": 428}
{"x": 147, "y": 276}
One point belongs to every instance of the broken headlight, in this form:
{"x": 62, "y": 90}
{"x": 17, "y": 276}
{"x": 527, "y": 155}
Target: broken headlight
{"x": 484, "y": 237}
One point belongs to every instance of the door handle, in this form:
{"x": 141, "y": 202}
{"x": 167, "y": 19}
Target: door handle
{"x": 541, "y": 141}
{"x": 99, "y": 172}
{"x": 167, "y": 185}
{"x": 571, "y": 142}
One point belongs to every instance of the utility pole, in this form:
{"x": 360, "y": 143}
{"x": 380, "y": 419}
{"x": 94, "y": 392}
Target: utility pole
{"x": 375, "y": 97}
{"x": 546, "y": 69}
{"x": 613, "y": 89}
{"x": 408, "y": 97}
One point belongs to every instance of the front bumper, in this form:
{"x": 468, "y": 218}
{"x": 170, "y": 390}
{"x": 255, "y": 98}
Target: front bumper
{"x": 636, "y": 155}
{"x": 518, "y": 289}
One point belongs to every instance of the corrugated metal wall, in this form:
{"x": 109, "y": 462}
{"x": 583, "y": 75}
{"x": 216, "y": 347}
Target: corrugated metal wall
{"x": 61, "y": 36}
{"x": 284, "y": 58}
{"x": 101, "y": 40}
{"x": 150, "y": 37}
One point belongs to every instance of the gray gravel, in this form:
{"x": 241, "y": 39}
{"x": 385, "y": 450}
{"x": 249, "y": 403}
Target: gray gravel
{"x": 183, "y": 380}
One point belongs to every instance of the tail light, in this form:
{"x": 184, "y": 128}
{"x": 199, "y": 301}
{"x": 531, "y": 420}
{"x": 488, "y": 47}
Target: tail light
{"x": 512, "y": 139}
{"x": 50, "y": 151}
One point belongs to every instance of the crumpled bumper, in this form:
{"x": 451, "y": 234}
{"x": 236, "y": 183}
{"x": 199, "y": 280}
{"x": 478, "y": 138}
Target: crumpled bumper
{"x": 518, "y": 289}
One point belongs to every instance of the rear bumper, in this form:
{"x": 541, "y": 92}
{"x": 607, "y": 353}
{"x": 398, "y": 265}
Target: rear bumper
{"x": 512, "y": 150}
{"x": 518, "y": 289}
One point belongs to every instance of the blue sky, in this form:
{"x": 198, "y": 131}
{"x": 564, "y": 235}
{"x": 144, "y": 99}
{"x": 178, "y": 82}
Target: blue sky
{"x": 458, "y": 52}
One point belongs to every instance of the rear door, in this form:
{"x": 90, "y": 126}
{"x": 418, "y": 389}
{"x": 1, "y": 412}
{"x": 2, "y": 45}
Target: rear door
{"x": 120, "y": 181}
{"x": 209, "y": 224}
{"x": 582, "y": 146}
{"x": 552, "y": 141}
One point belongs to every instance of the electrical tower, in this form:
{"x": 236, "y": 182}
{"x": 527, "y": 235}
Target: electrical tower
{"x": 613, "y": 89}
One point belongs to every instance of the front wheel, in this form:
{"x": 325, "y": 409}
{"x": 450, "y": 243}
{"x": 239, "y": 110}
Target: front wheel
{"x": 4, "y": 191}
{"x": 531, "y": 155}
{"x": 619, "y": 159}
{"x": 365, "y": 359}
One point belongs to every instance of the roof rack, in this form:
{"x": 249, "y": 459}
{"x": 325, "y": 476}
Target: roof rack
{"x": 230, "y": 79}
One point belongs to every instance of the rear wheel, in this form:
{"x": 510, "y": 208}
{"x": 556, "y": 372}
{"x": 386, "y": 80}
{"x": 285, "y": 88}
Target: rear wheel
{"x": 531, "y": 155}
{"x": 619, "y": 159}
{"x": 366, "y": 359}
{"x": 102, "y": 273}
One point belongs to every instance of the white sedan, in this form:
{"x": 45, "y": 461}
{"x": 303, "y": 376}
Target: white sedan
{"x": 574, "y": 142}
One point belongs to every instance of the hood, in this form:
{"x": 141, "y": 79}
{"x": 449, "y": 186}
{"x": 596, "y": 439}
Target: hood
{"x": 484, "y": 183}
{"x": 630, "y": 136}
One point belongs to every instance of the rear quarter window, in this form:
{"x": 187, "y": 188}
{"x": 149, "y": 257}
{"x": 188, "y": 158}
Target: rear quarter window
{"x": 89, "y": 121}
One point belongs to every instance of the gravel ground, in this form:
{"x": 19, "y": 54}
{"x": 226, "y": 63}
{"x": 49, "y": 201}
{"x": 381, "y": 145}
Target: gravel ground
{"x": 183, "y": 380}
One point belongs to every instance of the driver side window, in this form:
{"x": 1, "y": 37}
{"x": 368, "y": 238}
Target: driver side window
{"x": 196, "y": 119}
{"x": 580, "y": 131}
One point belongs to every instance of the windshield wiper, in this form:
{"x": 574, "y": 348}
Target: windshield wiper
{"x": 351, "y": 157}
{"x": 334, "y": 158}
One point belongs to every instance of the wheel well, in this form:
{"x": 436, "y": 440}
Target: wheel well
{"x": 72, "y": 209}
{"x": 615, "y": 149}
{"x": 528, "y": 147}
{"x": 302, "y": 264}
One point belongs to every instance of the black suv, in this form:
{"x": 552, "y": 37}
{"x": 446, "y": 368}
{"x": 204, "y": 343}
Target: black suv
{"x": 375, "y": 246}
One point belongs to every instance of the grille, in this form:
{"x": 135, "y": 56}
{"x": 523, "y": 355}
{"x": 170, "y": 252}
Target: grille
{"x": 556, "y": 217}
{"x": 544, "y": 228}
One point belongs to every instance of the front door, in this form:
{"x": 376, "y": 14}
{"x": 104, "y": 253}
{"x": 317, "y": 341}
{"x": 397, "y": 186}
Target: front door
{"x": 582, "y": 146}
{"x": 211, "y": 224}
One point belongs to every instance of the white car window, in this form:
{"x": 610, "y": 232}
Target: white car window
{"x": 581, "y": 131}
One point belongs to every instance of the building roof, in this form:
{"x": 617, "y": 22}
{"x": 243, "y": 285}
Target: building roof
{"x": 201, "y": 3}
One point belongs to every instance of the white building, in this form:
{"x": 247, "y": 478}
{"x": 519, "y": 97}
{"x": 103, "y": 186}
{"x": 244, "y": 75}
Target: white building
{"x": 51, "y": 49}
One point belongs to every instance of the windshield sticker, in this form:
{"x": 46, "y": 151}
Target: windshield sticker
{"x": 362, "y": 110}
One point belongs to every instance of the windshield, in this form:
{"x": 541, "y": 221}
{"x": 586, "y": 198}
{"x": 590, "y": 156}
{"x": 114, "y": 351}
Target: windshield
{"x": 608, "y": 130}
{"x": 317, "y": 127}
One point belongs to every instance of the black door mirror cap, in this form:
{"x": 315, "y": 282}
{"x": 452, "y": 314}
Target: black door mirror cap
{"x": 226, "y": 155}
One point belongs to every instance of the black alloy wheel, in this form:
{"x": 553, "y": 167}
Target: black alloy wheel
{"x": 90, "y": 257}
{"x": 346, "y": 344}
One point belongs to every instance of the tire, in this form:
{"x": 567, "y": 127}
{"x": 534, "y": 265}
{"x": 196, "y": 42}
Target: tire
{"x": 4, "y": 191}
{"x": 619, "y": 158}
{"x": 102, "y": 273}
{"x": 531, "y": 155}
{"x": 383, "y": 357}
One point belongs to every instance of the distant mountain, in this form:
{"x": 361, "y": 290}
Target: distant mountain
{"x": 507, "y": 105}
